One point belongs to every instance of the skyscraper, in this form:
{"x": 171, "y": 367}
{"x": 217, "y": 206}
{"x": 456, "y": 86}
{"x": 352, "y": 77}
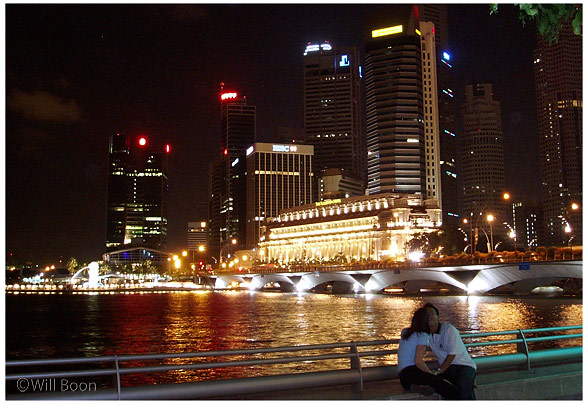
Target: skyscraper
{"x": 558, "y": 86}
{"x": 333, "y": 109}
{"x": 394, "y": 104}
{"x": 482, "y": 158}
{"x": 137, "y": 193}
{"x": 279, "y": 176}
{"x": 227, "y": 196}
{"x": 430, "y": 111}
{"x": 448, "y": 134}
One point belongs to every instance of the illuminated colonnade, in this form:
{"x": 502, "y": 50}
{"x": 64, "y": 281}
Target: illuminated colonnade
{"x": 366, "y": 227}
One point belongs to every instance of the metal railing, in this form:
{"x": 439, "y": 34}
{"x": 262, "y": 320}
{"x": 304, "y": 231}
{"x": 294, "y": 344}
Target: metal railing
{"x": 378, "y": 265}
{"x": 353, "y": 373}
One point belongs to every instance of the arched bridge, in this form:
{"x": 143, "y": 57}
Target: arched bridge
{"x": 521, "y": 277}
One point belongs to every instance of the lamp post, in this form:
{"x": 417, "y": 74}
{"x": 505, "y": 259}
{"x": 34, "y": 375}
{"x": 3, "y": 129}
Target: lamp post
{"x": 512, "y": 234}
{"x": 490, "y": 219}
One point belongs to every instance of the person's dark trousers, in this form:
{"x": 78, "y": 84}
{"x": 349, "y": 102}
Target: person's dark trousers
{"x": 462, "y": 377}
{"x": 413, "y": 375}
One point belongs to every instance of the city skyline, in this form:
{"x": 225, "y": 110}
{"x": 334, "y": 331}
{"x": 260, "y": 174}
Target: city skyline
{"x": 155, "y": 70}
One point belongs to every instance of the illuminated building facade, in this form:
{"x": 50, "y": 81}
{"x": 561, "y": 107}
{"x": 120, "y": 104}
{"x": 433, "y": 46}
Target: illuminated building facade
{"x": 482, "y": 159}
{"x": 558, "y": 88}
{"x": 394, "y": 104}
{"x": 197, "y": 236}
{"x": 279, "y": 176}
{"x": 333, "y": 113}
{"x": 430, "y": 111}
{"x": 227, "y": 186}
{"x": 137, "y": 193}
{"x": 358, "y": 228}
{"x": 448, "y": 138}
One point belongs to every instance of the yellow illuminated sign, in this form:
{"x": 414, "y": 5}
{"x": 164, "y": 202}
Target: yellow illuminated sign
{"x": 327, "y": 202}
{"x": 387, "y": 31}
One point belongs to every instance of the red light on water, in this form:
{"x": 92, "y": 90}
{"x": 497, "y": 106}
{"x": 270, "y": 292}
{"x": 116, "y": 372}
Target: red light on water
{"x": 167, "y": 148}
{"x": 142, "y": 141}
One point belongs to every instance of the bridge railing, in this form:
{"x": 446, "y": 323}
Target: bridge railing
{"x": 347, "y": 363}
{"x": 425, "y": 263}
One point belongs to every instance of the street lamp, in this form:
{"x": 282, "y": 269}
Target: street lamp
{"x": 512, "y": 234}
{"x": 490, "y": 219}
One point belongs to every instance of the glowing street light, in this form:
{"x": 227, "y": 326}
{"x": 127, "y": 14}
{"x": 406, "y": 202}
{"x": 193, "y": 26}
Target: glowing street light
{"x": 184, "y": 253}
{"x": 201, "y": 248}
{"x": 490, "y": 219}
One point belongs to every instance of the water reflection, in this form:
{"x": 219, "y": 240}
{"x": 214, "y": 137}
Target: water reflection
{"x": 41, "y": 326}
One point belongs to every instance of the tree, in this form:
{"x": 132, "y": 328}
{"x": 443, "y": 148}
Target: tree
{"x": 72, "y": 265}
{"x": 550, "y": 18}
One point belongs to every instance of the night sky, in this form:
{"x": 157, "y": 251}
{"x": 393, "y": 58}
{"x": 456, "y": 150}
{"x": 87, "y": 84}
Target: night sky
{"x": 76, "y": 74}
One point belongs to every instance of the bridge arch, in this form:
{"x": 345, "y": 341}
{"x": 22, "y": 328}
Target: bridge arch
{"x": 259, "y": 281}
{"x": 223, "y": 281}
{"x": 538, "y": 274}
{"x": 381, "y": 280}
{"x": 312, "y": 280}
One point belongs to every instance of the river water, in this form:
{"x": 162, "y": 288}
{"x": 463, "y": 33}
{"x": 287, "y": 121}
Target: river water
{"x": 73, "y": 325}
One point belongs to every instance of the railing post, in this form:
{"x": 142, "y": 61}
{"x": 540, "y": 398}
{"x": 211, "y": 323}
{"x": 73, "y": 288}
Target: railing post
{"x": 522, "y": 347}
{"x": 356, "y": 364}
{"x": 117, "y": 376}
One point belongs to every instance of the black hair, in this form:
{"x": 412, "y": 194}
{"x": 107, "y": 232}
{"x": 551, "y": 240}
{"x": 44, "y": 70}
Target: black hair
{"x": 419, "y": 323}
{"x": 430, "y": 305}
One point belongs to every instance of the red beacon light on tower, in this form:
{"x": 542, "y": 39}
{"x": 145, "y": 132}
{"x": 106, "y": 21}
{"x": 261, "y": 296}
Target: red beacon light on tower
{"x": 228, "y": 96}
{"x": 142, "y": 141}
{"x": 168, "y": 148}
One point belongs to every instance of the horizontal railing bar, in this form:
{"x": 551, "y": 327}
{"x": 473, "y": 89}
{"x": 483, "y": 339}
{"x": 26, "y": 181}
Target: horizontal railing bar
{"x": 216, "y": 365}
{"x": 554, "y": 337}
{"x": 71, "y": 373}
{"x": 490, "y": 343}
{"x": 36, "y": 362}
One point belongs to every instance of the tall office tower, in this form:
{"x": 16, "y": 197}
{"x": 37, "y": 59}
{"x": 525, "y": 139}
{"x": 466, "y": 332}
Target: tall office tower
{"x": 482, "y": 158}
{"x": 437, "y": 14}
{"x": 394, "y": 104}
{"x": 333, "y": 109}
{"x": 137, "y": 193}
{"x": 430, "y": 111}
{"x": 279, "y": 176}
{"x": 524, "y": 231}
{"x": 558, "y": 86}
{"x": 227, "y": 219}
{"x": 197, "y": 237}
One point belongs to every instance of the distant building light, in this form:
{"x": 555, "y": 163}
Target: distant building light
{"x": 446, "y": 56}
{"x": 235, "y": 162}
{"x": 167, "y": 148}
{"x": 249, "y": 150}
{"x": 142, "y": 141}
{"x": 344, "y": 61}
{"x": 397, "y": 29}
{"x": 417, "y": 32}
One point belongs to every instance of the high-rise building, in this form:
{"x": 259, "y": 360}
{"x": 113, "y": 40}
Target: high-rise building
{"x": 333, "y": 108}
{"x": 558, "y": 86}
{"x": 482, "y": 158}
{"x": 137, "y": 193}
{"x": 394, "y": 104}
{"x": 334, "y": 184}
{"x": 524, "y": 231}
{"x": 448, "y": 132}
{"x": 279, "y": 176}
{"x": 430, "y": 111}
{"x": 197, "y": 237}
{"x": 227, "y": 185}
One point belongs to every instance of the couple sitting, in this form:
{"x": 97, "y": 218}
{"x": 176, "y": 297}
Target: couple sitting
{"x": 454, "y": 379}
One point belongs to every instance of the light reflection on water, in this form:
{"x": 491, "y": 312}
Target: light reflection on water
{"x": 40, "y": 326}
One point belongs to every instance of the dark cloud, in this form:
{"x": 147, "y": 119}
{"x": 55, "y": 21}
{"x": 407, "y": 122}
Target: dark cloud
{"x": 43, "y": 106}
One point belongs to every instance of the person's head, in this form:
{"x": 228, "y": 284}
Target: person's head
{"x": 433, "y": 317}
{"x": 419, "y": 323}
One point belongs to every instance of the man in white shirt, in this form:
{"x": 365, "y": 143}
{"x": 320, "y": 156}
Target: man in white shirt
{"x": 455, "y": 364}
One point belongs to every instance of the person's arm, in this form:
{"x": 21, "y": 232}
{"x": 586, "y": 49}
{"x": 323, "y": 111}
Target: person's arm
{"x": 446, "y": 363}
{"x": 418, "y": 359}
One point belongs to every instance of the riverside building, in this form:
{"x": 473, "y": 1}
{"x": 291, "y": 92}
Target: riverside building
{"x": 374, "y": 227}
{"x": 279, "y": 176}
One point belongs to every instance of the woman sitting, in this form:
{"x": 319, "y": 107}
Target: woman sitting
{"x": 411, "y": 366}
